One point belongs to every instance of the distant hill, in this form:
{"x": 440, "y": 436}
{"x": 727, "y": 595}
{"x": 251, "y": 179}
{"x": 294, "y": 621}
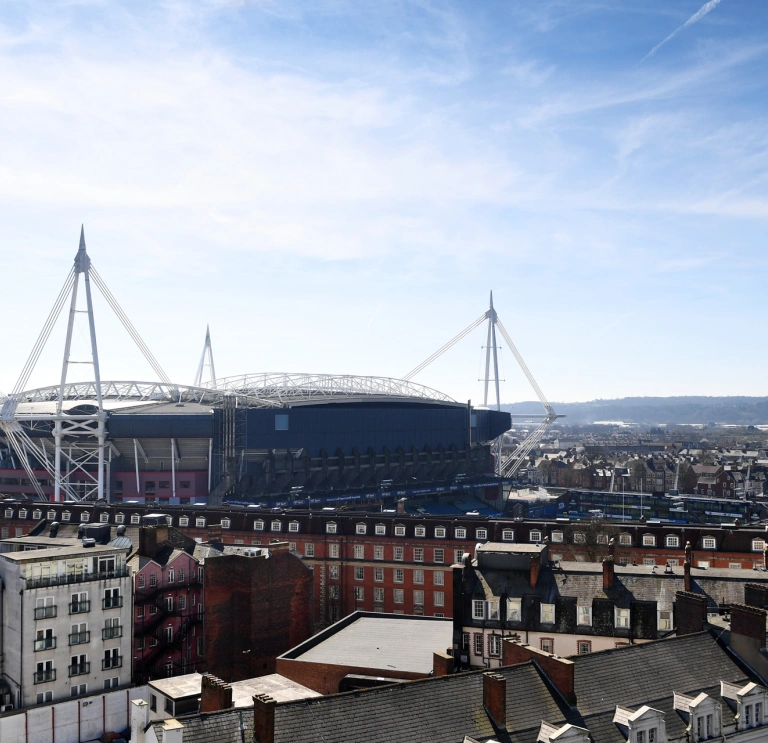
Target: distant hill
{"x": 654, "y": 410}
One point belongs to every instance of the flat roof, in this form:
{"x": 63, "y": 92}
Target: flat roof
{"x": 380, "y": 641}
{"x": 179, "y": 687}
{"x": 54, "y": 548}
{"x": 511, "y": 547}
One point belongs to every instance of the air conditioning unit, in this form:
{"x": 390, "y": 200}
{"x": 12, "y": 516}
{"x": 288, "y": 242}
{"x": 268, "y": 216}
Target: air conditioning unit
{"x": 6, "y": 708}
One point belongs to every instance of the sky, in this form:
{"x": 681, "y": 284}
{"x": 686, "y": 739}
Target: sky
{"x": 335, "y": 186}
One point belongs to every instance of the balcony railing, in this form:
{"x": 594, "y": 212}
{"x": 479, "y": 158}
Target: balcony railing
{"x": 79, "y": 638}
{"x": 108, "y": 663}
{"x": 62, "y": 580}
{"x": 42, "y": 677}
{"x": 115, "y": 602}
{"x": 45, "y": 612}
{"x": 109, "y": 633}
{"x": 79, "y": 669}
{"x": 46, "y": 643}
{"x": 79, "y": 607}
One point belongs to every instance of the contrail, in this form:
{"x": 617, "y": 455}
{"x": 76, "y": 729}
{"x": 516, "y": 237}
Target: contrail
{"x": 697, "y": 16}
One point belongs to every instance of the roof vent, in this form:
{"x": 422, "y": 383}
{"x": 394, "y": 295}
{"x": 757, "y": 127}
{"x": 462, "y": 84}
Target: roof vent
{"x": 121, "y": 530}
{"x": 54, "y": 529}
{"x": 89, "y": 542}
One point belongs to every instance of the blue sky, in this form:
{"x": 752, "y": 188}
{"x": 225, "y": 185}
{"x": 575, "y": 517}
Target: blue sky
{"x": 335, "y": 186}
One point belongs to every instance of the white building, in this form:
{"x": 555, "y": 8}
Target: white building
{"x": 65, "y": 617}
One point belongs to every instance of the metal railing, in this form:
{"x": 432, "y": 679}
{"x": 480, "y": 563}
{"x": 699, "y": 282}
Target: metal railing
{"x": 45, "y": 612}
{"x": 108, "y": 663}
{"x": 46, "y": 643}
{"x": 79, "y": 607}
{"x": 79, "y": 669}
{"x": 109, "y": 633}
{"x": 42, "y": 677}
{"x": 114, "y": 602}
{"x": 62, "y": 580}
{"x": 79, "y": 638}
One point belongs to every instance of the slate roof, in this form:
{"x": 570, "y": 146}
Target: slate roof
{"x": 443, "y": 709}
{"x": 213, "y": 727}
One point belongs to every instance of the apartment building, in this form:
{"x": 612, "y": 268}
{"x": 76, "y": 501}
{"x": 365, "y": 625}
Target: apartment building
{"x": 66, "y": 616}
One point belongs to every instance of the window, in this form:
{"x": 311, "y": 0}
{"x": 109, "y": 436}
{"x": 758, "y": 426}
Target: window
{"x": 378, "y": 575}
{"x": 360, "y": 528}
{"x": 378, "y": 552}
{"x": 478, "y": 609}
{"x": 333, "y": 550}
{"x": 418, "y": 598}
{"x": 293, "y": 527}
{"x": 51, "y": 515}
{"x": 140, "y": 580}
{"x": 547, "y": 613}
{"x": 579, "y": 537}
{"x": 583, "y": 647}
{"x": 258, "y": 525}
{"x": 37, "y": 514}
{"x": 378, "y": 595}
{"x": 621, "y": 617}
{"x": 494, "y": 645}
{"x": 708, "y": 543}
{"x": 309, "y": 549}
{"x": 557, "y": 536}
{"x": 399, "y": 530}
{"x": 359, "y": 593}
{"x": 418, "y": 577}
{"x": 135, "y": 518}
{"x": 66, "y": 516}
{"x": 182, "y": 601}
{"x": 84, "y": 517}
{"x": 625, "y": 540}
{"x": 359, "y": 551}
{"x": 758, "y": 545}
{"x": 478, "y": 644}
{"x": 514, "y": 610}
{"x": 547, "y": 644}
{"x": 200, "y": 522}
{"x": 152, "y": 610}
{"x": 734, "y": 566}
{"x": 704, "y": 564}
{"x": 104, "y": 518}
{"x": 199, "y": 574}
{"x": 333, "y": 572}
{"x": 45, "y": 608}
{"x": 281, "y": 421}
{"x": 398, "y": 595}
{"x": 184, "y": 521}
{"x": 493, "y": 610}
{"x": 672, "y": 540}
{"x": 458, "y": 556}
{"x": 398, "y": 575}
{"x": 465, "y": 640}
{"x": 461, "y": 533}
{"x": 171, "y": 575}
{"x": 420, "y": 531}
{"x": 535, "y": 536}
{"x": 359, "y": 572}
{"x": 440, "y": 532}
{"x": 584, "y": 616}
{"x": 665, "y": 620}
{"x": 181, "y": 575}
{"x": 398, "y": 554}
{"x": 152, "y": 580}
{"x": 439, "y": 556}
{"x": 649, "y": 561}
{"x": 438, "y": 578}
{"x": 225, "y": 523}
{"x": 112, "y": 599}
{"x": 481, "y": 533}
{"x": 508, "y": 535}
{"x": 381, "y": 530}
{"x": 330, "y": 527}
{"x": 169, "y": 603}
{"x": 602, "y": 539}
{"x": 44, "y": 696}
{"x": 418, "y": 554}
{"x": 438, "y": 598}
{"x": 276, "y": 526}
{"x": 649, "y": 540}
{"x": 140, "y": 612}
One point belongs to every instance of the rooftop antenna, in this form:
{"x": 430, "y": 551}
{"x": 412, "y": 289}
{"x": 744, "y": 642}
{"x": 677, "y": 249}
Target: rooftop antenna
{"x": 206, "y": 362}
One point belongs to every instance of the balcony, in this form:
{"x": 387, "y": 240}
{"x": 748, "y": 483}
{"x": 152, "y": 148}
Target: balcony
{"x": 79, "y": 607}
{"x": 42, "y": 677}
{"x": 110, "y": 633}
{"x": 46, "y": 643}
{"x": 115, "y": 602}
{"x": 79, "y": 669}
{"x": 114, "y": 662}
{"x": 79, "y": 638}
{"x": 72, "y": 578}
{"x": 45, "y": 612}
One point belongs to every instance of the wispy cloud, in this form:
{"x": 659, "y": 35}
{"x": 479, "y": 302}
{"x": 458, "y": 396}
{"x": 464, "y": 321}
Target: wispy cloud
{"x": 695, "y": 18}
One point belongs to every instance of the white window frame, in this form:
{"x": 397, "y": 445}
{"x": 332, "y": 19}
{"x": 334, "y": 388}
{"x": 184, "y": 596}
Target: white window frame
{"x": 360, "y": 528}
{"x": 758, "y": 545}
{"x": 481, "y": 534}
{"x": 709, "y": 543}
{"x": 545, "y": 612}
{"x": 399, "y": 530}
{"x": 276, "y": 526}
{"x": 620, "y": 617}
{"x": 649, "y": 540}
{"x": 420, "y": 531}
{"x": 225, "y": 523}
{"x": 331, "y": 527}
{"x": 508, "y": 535}
{"x": 381, "y": 530}
{"x": 535, "y": 536}
{"x": 293, "y": 527}
{"x": 514, "y": 610}
{"x": 672, "y": 540}
{"x": 460, "y": 532}
{"x": 557, "y": 537}
{"x": 478, "y": 609}
{"x": 584, "y": 616}
{"x": 439, "y": 532}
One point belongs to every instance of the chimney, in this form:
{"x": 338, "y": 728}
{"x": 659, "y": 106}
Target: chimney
{"x": 688, "y": 554}
{"x": 559, "y": 671}
{"x": 214, "y": 534}
{"x": 215, "y": 695}
{"x": 147, "y": 541}
{"x": 535, "y": 567}
{"x": 749, "y": 622}
{"x": 756, "y": 594}
{"x": 687, "y": 574}
{"x": 690, "y": 612}
{"x": 765, "y": 557}
{"x": 612, "y": 548}
{"x": 173, "y": 731}
{"x": 264, "y": 719}
{"x": 139, "y": 720}
{"x": 495, "y": 698}
{"x": 401, "y": 505}
{"x": 608, "y": 570}
{"x": 442, "y": 664}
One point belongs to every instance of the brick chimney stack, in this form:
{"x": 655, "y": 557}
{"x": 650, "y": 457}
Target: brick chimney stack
{"x": 765, "y": 557}
{"x": 442, "y": 664}
{"x": 264, "y": 719}
{"x": 687, "y": 574}
{"x": 535, "y": 567}
{"x": 560, "y": 671}
{"x": 756, "y": 594}
{"x": 612, "y": 548}
{"x": 608, "y": 570}
{"x": 495, "y": 698}
{"x": 749, "y": 622}
{"x": 215, "y": 694}
{"x": 688, "y": 552}
{"x": 690, "y": 612}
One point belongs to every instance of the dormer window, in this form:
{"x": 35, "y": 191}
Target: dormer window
{"x": 645, "y": 725}
{"x": 23, "y": 513}
{"x": 758, "y": 545}
{"x": 557, "y": 536}
{"x": 460, "y": 533}
{"x": 708, "y": 543}
{"x": 276, "y": 526}
{"x": 625, "y": 540}
{"x": 621, "y": 617}
{"x": 649, "y": 540}
{"x": 104, "y": 518}
{"x": 440, "y": 532}
{"x": 66, "y": 516}
{"x": 293, "y": 527}
{"x": 258, "y": 525}
{"x": 749, "y": 702}
{"x": 508, "y": 535}
{"x": 225, "y": 523}
{"x": 330, "y": 527}
{"x": 37, "y": 515}
{"x": 51, "y": 515}
{"x": 703, "y": 713}
{"x": 535, "y": 536}
{"x": 84, "y": 517}
{"x": 381, "y": 530}
{"x": 420, "y": 531}
{"x": 360, "y": 528}
{"x": 552, "y": 734}
{"x": 673, "y": 540}
{"x": 119, "y": 518}
{"x": 481, "y": 534}
{"x": 399, "y": 530}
